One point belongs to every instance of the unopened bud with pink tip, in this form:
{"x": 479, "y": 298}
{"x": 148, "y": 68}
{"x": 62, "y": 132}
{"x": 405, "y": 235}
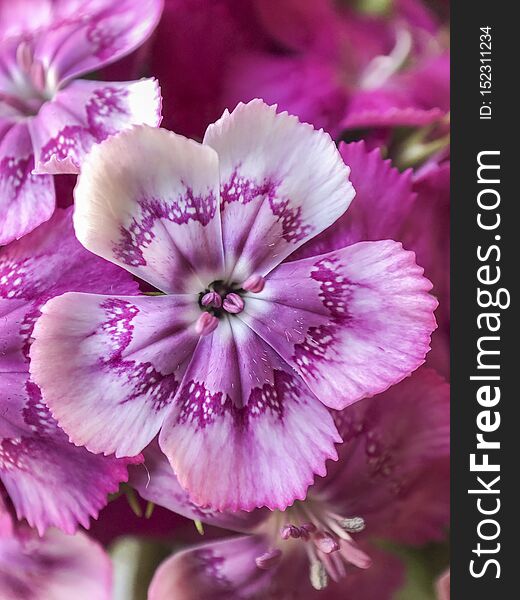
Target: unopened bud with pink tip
{"x": 233, "y": 303}
{"x": 254, "y": 283}
{"x": 206, "y": 324}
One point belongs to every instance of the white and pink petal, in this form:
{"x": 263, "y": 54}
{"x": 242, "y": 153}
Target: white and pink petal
{"x": 26, "y": 199}
{"x": 352, "y": 322}
{"x": 85, "y": 113}
{"x": 109, "y": 367}
{"x": 156, "y": 482}
{"x": 160, "y": 223}
{"x": 281, "y": 183}
{"x": 244, "y": 431}
{"x": 85, "y": 35}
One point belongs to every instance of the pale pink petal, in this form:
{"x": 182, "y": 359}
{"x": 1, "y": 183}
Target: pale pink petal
{"x": 26, "y": 200}
{"x": 55, "y": 567}
{"x": 155, "y": 481}
{"x": 215, "y": 571}
{"x": 282, "y": 183}
{"x": 244, "y": 431}
{"x": 86, "y": 112}
{"x": 147, "y": 199}
{"x": 352, "y": 322}
{"x": 109, "y": 367}
{"x": 85, "y": 35}
{"x": 50, "y": 261}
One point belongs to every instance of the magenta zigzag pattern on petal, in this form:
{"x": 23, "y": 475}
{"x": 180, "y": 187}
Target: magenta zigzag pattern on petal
{"x": 186, "y": 207}
{"x": 143, "y": 378}
{"x": 16, "y": 280}
{"x": 75, "y": 140}
{"x": 16, "y": 172}
{"x": 335, "y": 290}
{"x": 243, "y": 190}
{"x": 201, "y": 407}
{"x": 102, "y": 37}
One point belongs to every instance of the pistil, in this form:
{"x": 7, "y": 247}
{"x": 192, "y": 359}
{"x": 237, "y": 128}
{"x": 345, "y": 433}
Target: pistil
{"x": 233, "y": 303}
{"x": 211, "y": 300}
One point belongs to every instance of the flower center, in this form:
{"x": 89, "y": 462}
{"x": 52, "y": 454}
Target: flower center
{"x": 324, "y": 535}
{"x": 221, "y": 298}
{"x": 30, "y": 87}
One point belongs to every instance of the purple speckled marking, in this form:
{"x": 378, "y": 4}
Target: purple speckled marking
{"x": 335, "y": 290}
{"x": 16, "y": 454}
{"x": 201, "y": 407}
{"x": 380, "y": 455}
{"x": 71, "y": 141}
{"x": 104, "y": 104}
{"x": 211, "y": 564}
{"x": 36, "y": 414}
{"x": 17, "y": 280}
{"x": 240, "y": 189}
{"x": 139, "y": 234}
{"x": 15, "y": 173}
{"x": 118, "y": 326}
{"x": 145, "y": 380}
{"x": 102, "y": 36}
{"x": 75, "y": 140}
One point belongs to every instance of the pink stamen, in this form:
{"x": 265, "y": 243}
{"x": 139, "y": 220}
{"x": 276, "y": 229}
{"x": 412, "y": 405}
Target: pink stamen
{"x": 233, "y": 303}
{"x": 211, "y": 299}
{"x": 354, "y": 555}
{"x": 326, "y": 543}
{"x": 254, "y": 283}
{"x": 37, "y": 74}
{"x": 24, "y": 56}
{"x": 268, "y": 560}
{"x": 206, "y": 324}
{"x": 290, "y": 531}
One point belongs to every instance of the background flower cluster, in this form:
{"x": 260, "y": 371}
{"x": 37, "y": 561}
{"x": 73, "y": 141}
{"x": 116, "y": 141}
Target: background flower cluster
{"x": 91, "y": 507}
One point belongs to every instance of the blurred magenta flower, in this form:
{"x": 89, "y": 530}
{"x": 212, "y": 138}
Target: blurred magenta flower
{"x": 238, "y": 360}
{"x": 190, "y": 52}
{"x": 392, "y": 477}
{"x": 50, "y": 481}
{"x": 56, "y": 566}
{"x": 330, "y": 65}
{"x": 339, "y": 69}
{"x": 48, "y": 118}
